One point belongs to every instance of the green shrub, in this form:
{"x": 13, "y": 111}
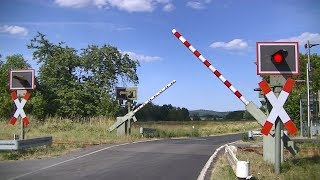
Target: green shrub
{"x": 245, "y": 137}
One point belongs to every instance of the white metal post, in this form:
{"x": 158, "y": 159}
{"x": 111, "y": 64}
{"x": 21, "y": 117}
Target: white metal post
{"x": 308, "y": 90}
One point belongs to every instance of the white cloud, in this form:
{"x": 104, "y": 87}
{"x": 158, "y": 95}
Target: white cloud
{"x": 133, "y": 5}
{"x": 73, "y": 3}
{"x": 168, "y": 7}
{"x": 141, "y": 57}
{"x": 303, "y": 38}
{"x": 126, "y": 5}
{"x": 236, "y": 44}
{"x": 14, "y": 30}
{"x": 200, "y": 4}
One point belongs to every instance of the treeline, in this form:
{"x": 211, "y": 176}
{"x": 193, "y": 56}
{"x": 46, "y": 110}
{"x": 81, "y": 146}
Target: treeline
{"x": 232, "y": 115}
{"x": 167, "y": 112}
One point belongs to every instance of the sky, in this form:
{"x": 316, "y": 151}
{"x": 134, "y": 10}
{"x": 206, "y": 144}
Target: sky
{"x": 223, "y": 31}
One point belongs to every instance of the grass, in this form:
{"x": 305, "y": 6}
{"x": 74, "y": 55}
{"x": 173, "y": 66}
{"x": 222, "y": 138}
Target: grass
{"x": 222, "y": 170}
{"x": 305, "y": 165}
{"x": 71, "y": 135}
{"x": 199, "y": 128}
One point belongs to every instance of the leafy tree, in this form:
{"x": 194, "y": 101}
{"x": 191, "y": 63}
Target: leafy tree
{"x": 80, "y": 84}
{"x": 185, "y": 114}
{"x": 236, "y": 115}
{"x": 300, "y": 90}
{"x": 196, "y": 117}
{"x": 166, "y": 112}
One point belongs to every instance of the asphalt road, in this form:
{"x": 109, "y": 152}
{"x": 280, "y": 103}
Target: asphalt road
{"x": 161, "y": 159}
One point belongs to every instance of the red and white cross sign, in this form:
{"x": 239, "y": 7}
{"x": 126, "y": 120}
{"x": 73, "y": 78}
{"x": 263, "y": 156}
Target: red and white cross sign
{"x": 277, "y": 104}
{"x": 20, "y": 106}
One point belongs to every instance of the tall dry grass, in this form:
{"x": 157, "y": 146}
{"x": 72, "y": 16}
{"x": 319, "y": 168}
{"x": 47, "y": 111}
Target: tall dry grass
{"x": 69, "y": 135}
{"x": 199, "y": 128}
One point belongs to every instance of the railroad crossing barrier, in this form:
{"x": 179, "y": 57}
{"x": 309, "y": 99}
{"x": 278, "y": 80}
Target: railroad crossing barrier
{"x": 24, "y": 143}
{"x": 249, "y": 105}
{"x": 240, "y": 168}
{"x": 120, "y": 123}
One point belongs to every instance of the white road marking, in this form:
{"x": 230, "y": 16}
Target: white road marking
{"x": 78, "y": 157}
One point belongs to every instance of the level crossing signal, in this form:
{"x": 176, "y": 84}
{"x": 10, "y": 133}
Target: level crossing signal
{"x": 277, "y": 58}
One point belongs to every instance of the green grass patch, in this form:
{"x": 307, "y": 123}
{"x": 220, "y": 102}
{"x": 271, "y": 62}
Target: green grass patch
{"x": 222, "y": 170}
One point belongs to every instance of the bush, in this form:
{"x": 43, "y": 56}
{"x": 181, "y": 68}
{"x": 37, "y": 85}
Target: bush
{"x": 245, "y": 137}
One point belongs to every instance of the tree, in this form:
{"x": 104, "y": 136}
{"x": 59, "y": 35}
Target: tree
{"x": 196, "y": 117}
{"x": 185, "y": 114}
{"x": 236, "y": 115}
{"x": 166, "y": 112}
{"x": 292, "y": 105}
{"x": 80, "y": 84}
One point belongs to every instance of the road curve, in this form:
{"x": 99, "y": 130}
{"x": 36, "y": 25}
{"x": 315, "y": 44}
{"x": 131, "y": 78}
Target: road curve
{"x": 162, "y": 159}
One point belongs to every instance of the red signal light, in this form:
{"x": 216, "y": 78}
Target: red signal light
{"x": 279, "y": 56}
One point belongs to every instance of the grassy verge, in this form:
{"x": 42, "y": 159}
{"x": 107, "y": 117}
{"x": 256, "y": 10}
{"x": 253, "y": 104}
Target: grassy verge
{"x": 305, "y": 165}
{"x": 70, "y": 135}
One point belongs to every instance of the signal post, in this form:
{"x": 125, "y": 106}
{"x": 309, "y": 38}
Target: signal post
{"x": 20, "y": 81}
{"x": 279, "y": 61}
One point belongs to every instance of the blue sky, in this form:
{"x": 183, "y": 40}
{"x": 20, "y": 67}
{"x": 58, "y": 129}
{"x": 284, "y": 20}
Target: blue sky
{"x": 224, "y": 31}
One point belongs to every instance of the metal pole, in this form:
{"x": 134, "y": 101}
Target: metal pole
{"x": 277, "y": 164}
{"x": 308, "y": 90}
{"x": 129, "y": 120}
{"x": 22, "y": 129}
{"x": 301, "y": 113}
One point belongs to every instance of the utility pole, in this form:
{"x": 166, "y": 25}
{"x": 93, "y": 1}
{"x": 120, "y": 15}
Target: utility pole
{"x": 308, "y": 46}
{"x": 308, "y": 90}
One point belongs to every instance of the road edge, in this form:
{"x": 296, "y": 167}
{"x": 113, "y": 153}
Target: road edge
{"x": 205, "y": 168}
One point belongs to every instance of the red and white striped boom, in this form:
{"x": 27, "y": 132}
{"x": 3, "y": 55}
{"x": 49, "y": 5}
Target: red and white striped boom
{"x": 130, "y": 115}
{"x": 210, "y": 66}
{"x": 154, "y": 96}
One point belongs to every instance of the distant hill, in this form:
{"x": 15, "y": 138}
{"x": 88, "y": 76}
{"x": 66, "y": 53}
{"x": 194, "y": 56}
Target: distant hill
{"x": 202, "y": 113}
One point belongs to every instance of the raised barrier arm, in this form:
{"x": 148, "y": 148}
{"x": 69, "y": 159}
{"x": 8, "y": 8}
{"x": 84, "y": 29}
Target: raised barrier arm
{"x": 250, "y": 106}
{"x": 130, "y": 115}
